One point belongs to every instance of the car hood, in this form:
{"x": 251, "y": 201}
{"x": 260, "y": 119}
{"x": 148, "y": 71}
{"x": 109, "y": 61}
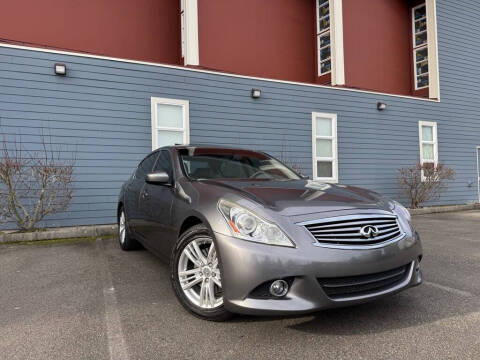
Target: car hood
{"x": 300, "y": 197}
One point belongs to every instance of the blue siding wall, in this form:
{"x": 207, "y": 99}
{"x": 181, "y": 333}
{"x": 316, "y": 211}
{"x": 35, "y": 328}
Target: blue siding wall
{"x": 101, "y": 110}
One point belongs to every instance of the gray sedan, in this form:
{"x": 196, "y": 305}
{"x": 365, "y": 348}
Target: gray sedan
{"x": 244, "y": 233}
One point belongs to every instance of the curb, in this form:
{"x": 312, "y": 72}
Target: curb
{"x": 443, "y": 209}
{"x": 61, "y": 233}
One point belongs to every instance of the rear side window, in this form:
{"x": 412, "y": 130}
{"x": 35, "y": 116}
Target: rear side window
{"x": 164, "y": 163}
{"x": 145, "y": 166}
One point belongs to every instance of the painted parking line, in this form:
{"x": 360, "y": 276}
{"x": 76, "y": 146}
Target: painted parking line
{"x": 116, "y": 341}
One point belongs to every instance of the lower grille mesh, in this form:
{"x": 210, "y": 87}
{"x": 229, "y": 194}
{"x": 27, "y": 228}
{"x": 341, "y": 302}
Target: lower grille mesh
{"x": 362, "y": 285}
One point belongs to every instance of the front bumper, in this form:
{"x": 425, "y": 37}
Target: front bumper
{"x": 246, "y": 265}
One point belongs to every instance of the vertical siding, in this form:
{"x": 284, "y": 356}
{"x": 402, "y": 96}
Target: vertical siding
{"x": 102, "y": 110}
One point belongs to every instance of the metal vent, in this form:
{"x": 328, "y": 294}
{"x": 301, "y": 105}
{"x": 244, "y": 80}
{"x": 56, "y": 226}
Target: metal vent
{"x": 355, "y": 230}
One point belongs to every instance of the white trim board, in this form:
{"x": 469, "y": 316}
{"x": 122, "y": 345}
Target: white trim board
{"x": 190, "y": 37}
{"x": 78, "y": 54}
{"x": 432, "y": 42}
{"x": 336, "y": 35}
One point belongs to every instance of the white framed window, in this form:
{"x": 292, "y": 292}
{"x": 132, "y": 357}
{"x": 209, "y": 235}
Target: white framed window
{"x": 428, "y": 142}
{"x": 324, "y": 147}
{"x": 420, "y": 46}
{"x": 323, "y": 37}
{"x": 170, "y": 122}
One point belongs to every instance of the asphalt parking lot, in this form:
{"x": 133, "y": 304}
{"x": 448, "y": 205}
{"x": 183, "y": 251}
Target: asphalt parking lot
{"x": 89, "y": 300}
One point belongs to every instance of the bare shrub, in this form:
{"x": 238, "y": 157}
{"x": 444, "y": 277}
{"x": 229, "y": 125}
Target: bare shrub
{"x": 287, "y": 159}
{"x": 424, "y": 182}
{"x": 33, "y": 185}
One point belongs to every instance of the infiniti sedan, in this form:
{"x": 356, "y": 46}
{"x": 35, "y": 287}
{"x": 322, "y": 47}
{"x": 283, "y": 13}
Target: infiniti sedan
{"x": 244, "y": 233}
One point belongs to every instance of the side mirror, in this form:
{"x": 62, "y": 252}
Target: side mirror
{"x": 157, "y": 178}
{"x": 304, "y": 177}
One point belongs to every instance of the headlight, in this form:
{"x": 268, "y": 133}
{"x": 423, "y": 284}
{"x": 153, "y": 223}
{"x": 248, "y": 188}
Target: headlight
{"x": 245, "y": 225}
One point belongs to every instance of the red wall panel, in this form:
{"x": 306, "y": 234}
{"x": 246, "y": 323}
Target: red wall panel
{"x": 377, "y": 45}
{"x": 136, "y": 29}
{"x": 267, "y": 38}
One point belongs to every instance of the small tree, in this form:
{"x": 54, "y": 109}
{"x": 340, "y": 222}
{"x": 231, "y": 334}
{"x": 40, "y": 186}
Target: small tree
{"x": 287, "y": 160}
{"x": 33, "y": 185}
{"x": 424, "y": 182}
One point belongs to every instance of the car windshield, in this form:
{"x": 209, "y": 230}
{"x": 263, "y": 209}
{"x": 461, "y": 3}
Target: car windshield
{"x": 203, "y": 163}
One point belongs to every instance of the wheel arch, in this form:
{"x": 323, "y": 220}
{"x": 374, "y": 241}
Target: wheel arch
{"x": 190, "y": 221}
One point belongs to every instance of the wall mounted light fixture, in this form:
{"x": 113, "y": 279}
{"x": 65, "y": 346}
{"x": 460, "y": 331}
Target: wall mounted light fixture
{"x": 256, "y": 93}
{"x": 60, "y": 69}
{"x": 381, "y": 106}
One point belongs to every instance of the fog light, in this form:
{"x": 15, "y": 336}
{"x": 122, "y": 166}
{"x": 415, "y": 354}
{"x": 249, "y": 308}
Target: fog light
{"x": 279, "y": 288}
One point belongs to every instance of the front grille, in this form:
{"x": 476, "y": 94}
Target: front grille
{"x": 363, "y": 285}
{"x": 345, "y": 230}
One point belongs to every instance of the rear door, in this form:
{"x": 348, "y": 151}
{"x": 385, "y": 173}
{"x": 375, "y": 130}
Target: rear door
{"x": 134, "y": 190}
{"x": 156, "y": 207}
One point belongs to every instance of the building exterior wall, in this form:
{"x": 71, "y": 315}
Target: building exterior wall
{"x": 258, "y": 38}
{"x": 102, "y": 109}
{"x": 146, "y": 30}
{"x": 377, "y": 45}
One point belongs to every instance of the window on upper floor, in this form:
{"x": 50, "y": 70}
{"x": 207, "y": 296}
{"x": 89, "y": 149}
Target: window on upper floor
{"x": 325, "y": 157}
{"x": 420, "y": 46}
{"x": 323, "y": 37}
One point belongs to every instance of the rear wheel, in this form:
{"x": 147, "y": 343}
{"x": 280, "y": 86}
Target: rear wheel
{"x": 195, "y": 275}
{"x": 126, "y": 241}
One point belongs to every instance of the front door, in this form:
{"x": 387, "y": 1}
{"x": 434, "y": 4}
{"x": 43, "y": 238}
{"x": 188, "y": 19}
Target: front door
{"x": 156, "y": 208}
{"x": 134, "y": 191}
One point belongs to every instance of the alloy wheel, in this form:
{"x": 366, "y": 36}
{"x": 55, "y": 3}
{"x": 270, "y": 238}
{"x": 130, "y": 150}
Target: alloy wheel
{"x": 199, "y": 274}
{"x": 122, "y": 228}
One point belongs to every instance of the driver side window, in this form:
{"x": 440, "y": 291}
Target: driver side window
{"x": 145, "y": 166}
{"x": 164, "y": 163}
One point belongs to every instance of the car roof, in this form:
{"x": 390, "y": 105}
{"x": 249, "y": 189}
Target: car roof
{"x": 205, "y": 146}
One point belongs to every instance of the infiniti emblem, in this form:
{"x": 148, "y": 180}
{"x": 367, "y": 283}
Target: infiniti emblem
{"x": 369, "y": 231}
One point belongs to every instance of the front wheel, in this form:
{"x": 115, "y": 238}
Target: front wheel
{"x": 195, "y": 275}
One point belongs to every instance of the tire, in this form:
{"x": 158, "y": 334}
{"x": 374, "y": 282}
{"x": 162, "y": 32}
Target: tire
{"x": 125, "y": 240}
{"x": 205, "y": 275}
